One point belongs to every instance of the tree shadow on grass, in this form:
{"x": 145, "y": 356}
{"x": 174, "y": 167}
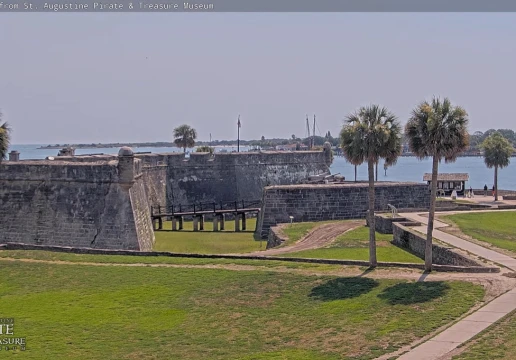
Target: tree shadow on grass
{"x": 414, "y": 292}
{"x": 343, "y": 288}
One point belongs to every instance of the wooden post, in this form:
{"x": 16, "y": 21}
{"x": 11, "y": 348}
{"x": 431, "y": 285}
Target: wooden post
{"x": 237, "y": 222}
{"x": 201, "y": 222}
{"x": 174, "y": 223}
{"x": 215, "y": 223}
{"x": 160, "y": 223}
{"x": 243, "y": 222}
{"x": 180, "y": 223}
{"x": 222, "y": 221}
{"x": 195, "y": 223}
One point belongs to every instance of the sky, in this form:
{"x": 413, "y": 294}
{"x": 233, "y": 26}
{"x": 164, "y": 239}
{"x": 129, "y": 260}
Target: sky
{"x": 115, "y": 77}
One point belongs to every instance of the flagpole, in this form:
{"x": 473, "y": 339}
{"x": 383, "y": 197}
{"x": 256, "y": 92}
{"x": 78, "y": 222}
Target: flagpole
{"x": 238, "y": 140}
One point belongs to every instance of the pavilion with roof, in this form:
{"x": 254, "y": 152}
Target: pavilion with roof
{"x": 449, "y": 182}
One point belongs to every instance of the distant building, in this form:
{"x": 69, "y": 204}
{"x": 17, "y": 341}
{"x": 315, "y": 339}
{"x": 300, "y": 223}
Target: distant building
{"x": 449, "y": 182}
{"x": 289, "y": 147}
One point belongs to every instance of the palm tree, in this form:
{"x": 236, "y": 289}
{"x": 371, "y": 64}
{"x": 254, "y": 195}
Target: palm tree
{"x": 497, "y": 153}
{"x": 437, "y": 130}
{"x": 184, "y": 137}
{"x": 5, "y": 139}
{"x": 369, "y": 134}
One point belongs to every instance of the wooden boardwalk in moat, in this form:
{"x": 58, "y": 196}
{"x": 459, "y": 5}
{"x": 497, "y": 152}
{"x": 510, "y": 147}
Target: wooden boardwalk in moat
{"x": 198, "y": 211}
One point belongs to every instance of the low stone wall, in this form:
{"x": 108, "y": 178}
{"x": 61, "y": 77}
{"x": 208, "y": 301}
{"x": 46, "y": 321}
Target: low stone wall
{"x": 415, "y": 242}
{"x": 383, "y": 222}
{"x": 65, "y": 249}
{"x": 276, "y": 236}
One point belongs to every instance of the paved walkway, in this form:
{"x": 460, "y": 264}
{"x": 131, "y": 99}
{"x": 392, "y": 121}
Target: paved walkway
{"x": 473, "y": 324}
{"x": 478, "y": 250}
{"x": 463, "y": 330}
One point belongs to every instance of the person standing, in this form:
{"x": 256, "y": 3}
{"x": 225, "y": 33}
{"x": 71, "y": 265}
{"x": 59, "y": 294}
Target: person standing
{"x": 485, "y": 190}
{"x": 470, "y": 192}
{"x": 493, "y": 190}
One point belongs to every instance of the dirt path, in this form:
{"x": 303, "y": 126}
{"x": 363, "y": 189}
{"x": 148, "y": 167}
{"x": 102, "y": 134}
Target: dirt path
{"x": 317, "y": 238}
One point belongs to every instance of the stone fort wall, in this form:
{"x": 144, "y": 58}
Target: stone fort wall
{"x": 96, "y": 202}
{"x": 334, "y": 202}
{"x": 224, "y": 177}
{"x": 103, "y": 201}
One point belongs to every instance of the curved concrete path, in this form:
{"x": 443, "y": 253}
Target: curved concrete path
{"x": 437, "y": 347}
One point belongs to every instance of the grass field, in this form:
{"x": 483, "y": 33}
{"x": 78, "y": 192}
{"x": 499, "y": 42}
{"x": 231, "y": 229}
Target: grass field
{"x": 497, "y": 343}
{"x": 354, "y": 245}
{"x": 207, "y": 241}
{"x": 156, "y": 260}
{"x": 120, "y": 312}
{"x": 496, "y": 228}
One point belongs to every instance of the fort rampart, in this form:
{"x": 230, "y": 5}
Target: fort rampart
{"x": 103, "y": 201}
{"x": 334, "y": 202}
{"x": 225, "y": 177}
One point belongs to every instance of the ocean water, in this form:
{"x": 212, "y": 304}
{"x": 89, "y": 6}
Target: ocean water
{"x": 406, "y": 169}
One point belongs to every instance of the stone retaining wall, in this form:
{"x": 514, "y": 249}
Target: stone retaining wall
{"x": 383, "y": 223}
{"x": 415, "y": 242}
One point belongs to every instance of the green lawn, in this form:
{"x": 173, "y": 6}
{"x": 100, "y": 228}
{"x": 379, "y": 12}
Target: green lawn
{"x": 497, "y": 228}
{"x": 157, "y": 260}
{"x": 496, "y": 343}
{"x": 207, "y": 241}
{"x": 117, "y": 312}
{"x": 354, "y": 245}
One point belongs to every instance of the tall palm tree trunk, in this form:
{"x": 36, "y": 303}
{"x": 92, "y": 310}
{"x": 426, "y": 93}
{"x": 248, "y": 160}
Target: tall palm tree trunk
{"x": 355, "y": 173}
{"x": 376, "y": 172}
{"x": 496, "y": 183}
{"x": 431, "y": 215}
{"x": 372, "y": 228}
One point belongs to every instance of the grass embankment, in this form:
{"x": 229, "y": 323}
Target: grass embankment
{"x": 496, "y": 343}
{"x": 156, "y": 260}
{"x": 354, "y": 245}
{"x": 117, "y": 312}
{"x": 208, "y": 241}
{"x": 496, "y": 228}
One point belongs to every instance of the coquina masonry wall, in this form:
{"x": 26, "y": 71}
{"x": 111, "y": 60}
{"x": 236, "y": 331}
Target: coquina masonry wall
{"x": 97, "y": 202}
{"x": 103, "y": 201}
{"x": 334, "y": 202}
{"x": 226, "y": 177}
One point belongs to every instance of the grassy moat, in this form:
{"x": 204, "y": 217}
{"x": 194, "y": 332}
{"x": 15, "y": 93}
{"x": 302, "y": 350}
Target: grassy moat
{"x": 83, "y": 311}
